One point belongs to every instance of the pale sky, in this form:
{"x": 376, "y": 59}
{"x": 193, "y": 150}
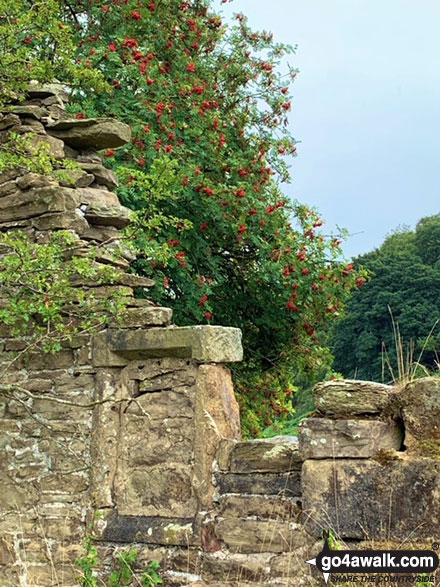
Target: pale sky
{"x": 366, "y": 108}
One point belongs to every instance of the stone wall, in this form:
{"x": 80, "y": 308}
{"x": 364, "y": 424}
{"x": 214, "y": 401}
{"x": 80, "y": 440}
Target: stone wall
{"x": 158, "y": 452}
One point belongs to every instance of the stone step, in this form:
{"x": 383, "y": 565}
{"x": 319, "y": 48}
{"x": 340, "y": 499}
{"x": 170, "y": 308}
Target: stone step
{"x": 260, "y": 507}
{"x": 256, "y": 536}
{"x": 279, "y": 454}
{"x": 286, "y": 484}
{"x": 322, "y": 438}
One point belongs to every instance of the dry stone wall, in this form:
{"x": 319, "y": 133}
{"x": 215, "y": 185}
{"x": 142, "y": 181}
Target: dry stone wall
{"x": 158, "y": 453}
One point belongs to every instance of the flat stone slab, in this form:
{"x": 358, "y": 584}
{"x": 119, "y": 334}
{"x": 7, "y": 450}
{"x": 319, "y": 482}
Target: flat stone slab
{"x": 365, "y": 500}
{"x": 261, "y": 507}
{"x": 322, "y": 438}
{"x": 91, "y": 133}
{"x": 254, "y": 536}
{"x": 287, "y": 484}
{"x": 148, "y": 530}
{"x": 349, "y": 397}
{"x": 204, "y": 344}
{"x": 272, "y": 455}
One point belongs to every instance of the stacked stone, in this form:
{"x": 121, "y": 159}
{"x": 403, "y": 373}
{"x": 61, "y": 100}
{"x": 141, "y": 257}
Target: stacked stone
{"x": 81, "y": 199}
{"x": 368, "y": 473}
{"x": 143, "y": 452}
{"x": 261, "y": 540}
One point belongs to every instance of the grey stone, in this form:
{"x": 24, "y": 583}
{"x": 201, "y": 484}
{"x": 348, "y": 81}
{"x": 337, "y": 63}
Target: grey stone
{"x": 351, "y": 397}
{"x": 362, "y": 499}
{"x": 255, "y": 536}
{"x": 8, "y": 121}
{"x": 204, "y": 344}
{"x": 37, "y": 90}
{"x": 287, "y": 484}
{"x": 105, "y": 215}
{"x": 143, "y": 317}
{"x": 321, "y": 438}
{"x": 279, "y": 454}
{"x": 92, "y": 133}
{"x": 102, "y": 175}
{"x": 420, "y": 401}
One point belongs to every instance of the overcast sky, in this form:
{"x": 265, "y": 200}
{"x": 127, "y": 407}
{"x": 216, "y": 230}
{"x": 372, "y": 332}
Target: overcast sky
{"x": 366, "y": 108}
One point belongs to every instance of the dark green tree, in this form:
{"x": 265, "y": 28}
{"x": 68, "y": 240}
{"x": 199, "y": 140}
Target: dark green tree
{"x": 394, "y": 317}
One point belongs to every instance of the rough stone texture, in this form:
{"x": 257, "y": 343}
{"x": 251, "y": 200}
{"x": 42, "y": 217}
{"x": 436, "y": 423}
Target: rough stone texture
{"x": 210, "y": 344}
{"x": 143, "y": 317}
{"x": 258, "y": 506}
{"x": 104, "y": 133}
{"x": 141, "y": 420}
{"x": 321, "y": 438}
{"x": 260, "y": 484}
{"x": 217, "y": 416}
{"x": 351, "y": 397}
{"x": 107, "y": 215}
{"x": 260, "y": 536}
{"x": 279, "y": 454}
{"x": 362, "y": 499}
{"x": 420, "y": 402}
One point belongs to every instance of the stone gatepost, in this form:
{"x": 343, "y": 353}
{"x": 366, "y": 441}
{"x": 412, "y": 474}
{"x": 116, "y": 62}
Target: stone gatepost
{"x": 154, "y": 447}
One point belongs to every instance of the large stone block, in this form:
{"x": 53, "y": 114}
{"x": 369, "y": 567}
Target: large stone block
{"x": 420, "y": 402}
{"x": 347, "y": 397}
{"x": 274, "y": 455}
{"x": 261, "y": 507}
{"x": 91, "y": 133}
{"x": 107, "y": 215}
{"x": 167, "y": 531}
{"x": 288, "y": 484}
{"x": 360, "y": 499}
{"x": 22, "y": 205}
{"x": 221, "y": 566}
{"x": 143, "y": 317}
{"x": 254, "y": 536}
{"x": 204, "y": 344}
{"x": 322, "y": 438}
{"x": 217, "y": 416}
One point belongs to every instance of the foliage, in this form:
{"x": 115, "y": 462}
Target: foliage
{"x": 37, "y": 287}
{"x": 35, "y": 44}
{"x": 208, "y": 107}
{"x": 391, "y": 324}
{"x": 88, "y": 563}
{"x": 122, "y": 575}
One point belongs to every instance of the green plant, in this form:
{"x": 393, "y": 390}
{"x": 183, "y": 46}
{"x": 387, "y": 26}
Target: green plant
{"x": 423, "y": 581}
{"x": 208, "y": 105}
{"x": 370, "y": 341}
{"x": 88, "y": 563}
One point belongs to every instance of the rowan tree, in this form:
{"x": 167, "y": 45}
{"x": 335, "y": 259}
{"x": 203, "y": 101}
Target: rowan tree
{"x": 208, "y": 105}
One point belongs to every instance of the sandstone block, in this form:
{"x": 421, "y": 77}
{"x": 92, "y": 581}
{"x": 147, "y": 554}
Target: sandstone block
{"x": 351, "y": 397}
{"x": 260, "y": 483}
{"x": 36, "y": 90}
{"x": 101, "y": 174}
{"x": 256, "y": 536}
{"x": 143, "y": 317}
{"x": 91, "y": 133}
{"x": 76, "y": 178}
{"x": 32, "y": 111}
{"x": 274, "y": 455}
{"x": 217, "y": 416}
{"x": 420, "y": 402}
{"x": 167, "y": 531}
{"x": 98, "y": 197}
{"x": 220, "y": 566}
{"x": 362, "y": 499}
{"x": 108, "y": 215}
{"x": 56, "y": 147}
{"x": 204, "y": 344}
{"x": 34, "y": 180}
{"x": 322, "y": 438}
{"x": 260, "y": 507}
{"x": 8, "y": 121}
